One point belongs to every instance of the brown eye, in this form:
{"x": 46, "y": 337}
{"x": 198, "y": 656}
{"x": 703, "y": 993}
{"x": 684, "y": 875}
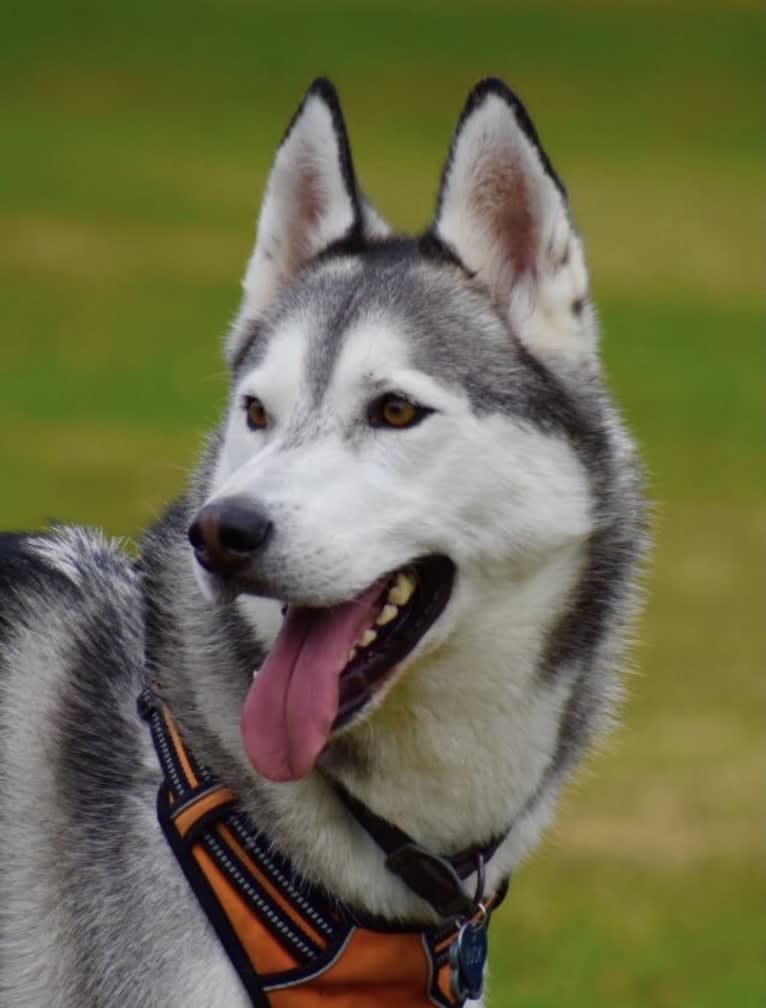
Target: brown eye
{"x": 255, "y": 413}
{"x": 395, "y": 411}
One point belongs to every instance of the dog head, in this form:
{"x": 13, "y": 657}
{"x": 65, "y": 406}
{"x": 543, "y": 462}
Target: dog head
{"x": 416, "y": 451}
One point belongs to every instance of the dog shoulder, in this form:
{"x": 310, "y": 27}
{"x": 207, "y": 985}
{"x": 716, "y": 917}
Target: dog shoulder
{"x": 66, "y": 588}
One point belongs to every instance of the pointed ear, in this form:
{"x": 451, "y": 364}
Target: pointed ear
{"x": 502, "y": 210}
{"x": 312, "y": 201}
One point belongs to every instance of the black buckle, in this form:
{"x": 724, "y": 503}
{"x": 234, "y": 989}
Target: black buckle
{"x": 432, "y": 878}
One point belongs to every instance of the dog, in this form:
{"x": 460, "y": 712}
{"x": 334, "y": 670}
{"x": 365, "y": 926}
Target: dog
{"x": 343, "y": 684}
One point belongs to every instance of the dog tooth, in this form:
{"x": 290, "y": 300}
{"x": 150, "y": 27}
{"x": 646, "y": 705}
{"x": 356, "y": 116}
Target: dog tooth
{"x": 352, "y": 654}
{"x": 388, "y": 613}
{"x": 367, "y": 638}
{"x": 402, "y": 590}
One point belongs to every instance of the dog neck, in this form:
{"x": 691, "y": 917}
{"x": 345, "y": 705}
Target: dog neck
{"x": 455, "y": 755}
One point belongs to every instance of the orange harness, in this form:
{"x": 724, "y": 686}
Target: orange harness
{"x": 292, "y": 945}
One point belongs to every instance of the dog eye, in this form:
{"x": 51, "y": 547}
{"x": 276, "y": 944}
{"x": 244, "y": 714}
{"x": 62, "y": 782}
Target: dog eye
{"x": 395, "y": 411}
{"x": 255, "y": 413}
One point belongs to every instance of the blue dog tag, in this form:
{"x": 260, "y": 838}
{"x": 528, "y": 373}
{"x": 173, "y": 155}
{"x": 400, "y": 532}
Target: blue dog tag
{"x": 467, "y": 956}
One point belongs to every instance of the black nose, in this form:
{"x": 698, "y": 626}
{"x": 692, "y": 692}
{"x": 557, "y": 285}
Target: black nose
{"x": 227, "y": 533}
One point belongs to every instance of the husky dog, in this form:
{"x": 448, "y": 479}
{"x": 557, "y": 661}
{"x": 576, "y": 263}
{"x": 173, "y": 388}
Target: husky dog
{"x": 401, "y": 582}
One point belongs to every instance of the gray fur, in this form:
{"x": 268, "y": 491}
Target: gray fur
{"x": 460, "y": 338}
{"x": 95, "y": 913}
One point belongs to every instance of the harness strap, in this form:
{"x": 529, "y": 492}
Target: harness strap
{"x": 291, "y": 944}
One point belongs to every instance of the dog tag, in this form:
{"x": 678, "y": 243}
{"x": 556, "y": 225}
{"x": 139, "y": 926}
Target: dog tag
{"x": 467, "y": 956}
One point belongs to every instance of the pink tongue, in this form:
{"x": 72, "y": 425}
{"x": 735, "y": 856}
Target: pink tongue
{"x": 291, "y": 706}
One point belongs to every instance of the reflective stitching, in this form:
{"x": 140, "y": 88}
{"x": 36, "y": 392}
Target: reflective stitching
{"x": 263, "y": 860}
{"x": 304, "y": 977}
{"x": 265, "y": 908}
{"x": 165, "y": 753}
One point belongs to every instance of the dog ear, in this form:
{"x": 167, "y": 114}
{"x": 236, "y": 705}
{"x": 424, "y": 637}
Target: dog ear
{"x": 502, "y": 209}
{"x": 312, "y": 201}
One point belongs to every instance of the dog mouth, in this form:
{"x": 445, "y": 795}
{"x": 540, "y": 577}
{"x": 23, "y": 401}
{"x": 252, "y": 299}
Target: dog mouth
{"x": 328, "y": 666}
{"x": 411, "y": 602}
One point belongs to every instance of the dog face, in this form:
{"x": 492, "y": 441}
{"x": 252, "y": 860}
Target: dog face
{"x": 405, "y": 463}
{"x": 387, "y": 417}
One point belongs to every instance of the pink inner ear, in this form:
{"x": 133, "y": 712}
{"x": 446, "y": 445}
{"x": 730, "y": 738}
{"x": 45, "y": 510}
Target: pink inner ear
{"x": 304, "y": 216}
{"x": 501, "y": 198}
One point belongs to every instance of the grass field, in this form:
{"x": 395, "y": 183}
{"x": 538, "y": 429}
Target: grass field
{"x": 137, "y": 137}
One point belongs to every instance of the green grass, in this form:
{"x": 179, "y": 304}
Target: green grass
{"x": 136, "y": 141}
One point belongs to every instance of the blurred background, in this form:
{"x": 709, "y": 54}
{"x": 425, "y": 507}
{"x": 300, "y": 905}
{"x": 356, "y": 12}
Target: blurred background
{"x": 136, "y": 141}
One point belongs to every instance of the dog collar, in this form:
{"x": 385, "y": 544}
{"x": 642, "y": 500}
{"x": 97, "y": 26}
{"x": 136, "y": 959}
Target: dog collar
{"x": 290, "y": 942}
{"x": 436, "y": 879}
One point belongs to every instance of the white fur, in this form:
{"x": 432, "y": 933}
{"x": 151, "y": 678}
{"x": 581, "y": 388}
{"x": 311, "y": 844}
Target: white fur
{"x": 508, "y": 223}
{"x": 464, "y": 732}
{"x": 63, "y": 553}
{"x": 305, "y": 208}
{"x": 41, "y": 970}
{"x": 354, "y": 504}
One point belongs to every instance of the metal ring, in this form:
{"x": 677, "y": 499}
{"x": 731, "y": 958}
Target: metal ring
{"x": 480, "y": 917}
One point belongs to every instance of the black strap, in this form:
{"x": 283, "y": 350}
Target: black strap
{"x": 436, "y": 879}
